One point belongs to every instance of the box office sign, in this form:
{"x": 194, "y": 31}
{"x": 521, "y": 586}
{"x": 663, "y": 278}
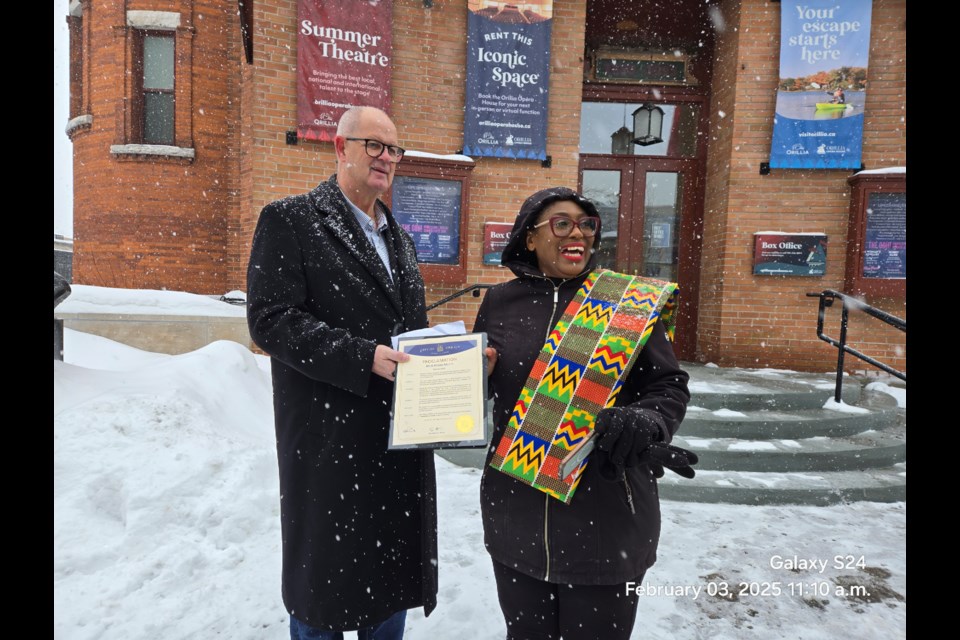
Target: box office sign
{"x": 789, "y": 254}
{"x": 508, "y": 78}
{"x": 342, "y": 61}
{"x": 429, "y": 210}
{"x": 495, "y": 237}
{"x": 824, "y": 51}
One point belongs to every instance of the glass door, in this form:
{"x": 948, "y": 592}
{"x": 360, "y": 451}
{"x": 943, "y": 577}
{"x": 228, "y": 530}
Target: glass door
{"x": 651, "y": 210}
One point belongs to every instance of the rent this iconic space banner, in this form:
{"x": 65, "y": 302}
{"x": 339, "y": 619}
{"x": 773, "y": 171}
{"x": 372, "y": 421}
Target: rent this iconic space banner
{"x": 343, "y": 60}
{"x": 824, "y": 47}
{"x": 508, "y": 75}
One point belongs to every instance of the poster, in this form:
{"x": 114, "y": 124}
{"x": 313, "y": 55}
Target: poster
{"x": 885, "y": 244}
{"x": 824, "y": 51}
{"x": 495, "y": 237}
{"x": 789, "y": 254}
{"x": 429, "y": 210}
{"x": 508, "y": 79}
{"x": 342, "y": 62}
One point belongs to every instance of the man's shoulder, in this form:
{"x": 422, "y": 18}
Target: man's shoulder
{"x": 324, "y": 199}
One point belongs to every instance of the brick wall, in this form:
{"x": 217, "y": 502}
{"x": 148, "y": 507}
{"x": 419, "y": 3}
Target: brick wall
{"x": 429, "y": 58}
{"x": 188, "y": 225}
{"x": 748, "y": 320}
{"x": 148, "y": 222}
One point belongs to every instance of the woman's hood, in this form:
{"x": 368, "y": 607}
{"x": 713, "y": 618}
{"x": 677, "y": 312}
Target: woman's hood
{"x": 521, "y": 260}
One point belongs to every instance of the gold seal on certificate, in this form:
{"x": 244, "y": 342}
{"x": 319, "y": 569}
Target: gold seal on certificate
{"x": 440, "y": 396}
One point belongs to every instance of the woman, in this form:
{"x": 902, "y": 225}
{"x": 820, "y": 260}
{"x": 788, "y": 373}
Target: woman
{"x": 563, "y": 569}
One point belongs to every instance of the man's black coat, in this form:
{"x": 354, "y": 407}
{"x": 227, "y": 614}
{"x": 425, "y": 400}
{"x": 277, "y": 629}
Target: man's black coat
{"x": 358, "y": 521}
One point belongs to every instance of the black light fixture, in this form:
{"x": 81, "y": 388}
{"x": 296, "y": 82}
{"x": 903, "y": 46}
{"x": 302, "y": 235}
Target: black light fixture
{"x": 647, "y": 125}
{"x": 620, "y": 142}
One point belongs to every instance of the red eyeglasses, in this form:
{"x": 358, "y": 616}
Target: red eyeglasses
{"x": 561, "y": 226}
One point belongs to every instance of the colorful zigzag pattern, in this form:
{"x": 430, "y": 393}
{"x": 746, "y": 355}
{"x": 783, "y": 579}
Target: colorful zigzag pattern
{"x": 578, "y": 372}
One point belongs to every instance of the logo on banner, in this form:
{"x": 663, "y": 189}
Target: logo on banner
{"x": 487, "y": 138}
{"x": 325, "y": 119}
{"x": 797, "y": 150}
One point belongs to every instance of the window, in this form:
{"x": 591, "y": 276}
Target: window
{"x": 155, "y": 123}
{"x": 156, "y": 83}
{"x": 80, "y": 118}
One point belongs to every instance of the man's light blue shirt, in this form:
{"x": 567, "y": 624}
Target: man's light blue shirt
{"x": 374, "y": 235}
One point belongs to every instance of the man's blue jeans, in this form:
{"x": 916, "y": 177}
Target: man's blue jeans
{"x": 389, "y": 629}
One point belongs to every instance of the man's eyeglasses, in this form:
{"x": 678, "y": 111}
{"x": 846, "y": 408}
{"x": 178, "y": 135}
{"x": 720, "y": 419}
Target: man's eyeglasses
{"x": 374, "y": 148}
{"x": 562, "y": 226}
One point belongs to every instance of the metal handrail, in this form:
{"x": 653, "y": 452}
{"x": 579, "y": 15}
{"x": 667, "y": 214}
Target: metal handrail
{"x": 827, "y": 298}
{"x": 475, "y": 288}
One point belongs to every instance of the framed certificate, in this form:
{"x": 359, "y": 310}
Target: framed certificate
{"x": 440, "y": 394}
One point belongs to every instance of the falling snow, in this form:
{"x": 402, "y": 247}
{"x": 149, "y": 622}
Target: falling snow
{"x": 166, "y": 523}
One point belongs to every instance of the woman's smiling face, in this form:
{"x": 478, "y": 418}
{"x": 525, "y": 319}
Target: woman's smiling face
{"x": 560, "y": 257}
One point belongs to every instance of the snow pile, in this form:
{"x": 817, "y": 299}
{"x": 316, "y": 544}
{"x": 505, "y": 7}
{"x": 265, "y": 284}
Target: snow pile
{"x": 897, "y": 392}
{"x": 88, "y": 299}
{"x": 843, "y": 407}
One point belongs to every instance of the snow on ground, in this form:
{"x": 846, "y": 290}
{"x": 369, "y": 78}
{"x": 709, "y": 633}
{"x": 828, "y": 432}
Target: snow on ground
{"x": 166, "y": 525}
{"x": 897, "y": 392}
{"x": 88, "y": 299}
{"x": 843, "y": 407}
{"x": 729, "y": 413}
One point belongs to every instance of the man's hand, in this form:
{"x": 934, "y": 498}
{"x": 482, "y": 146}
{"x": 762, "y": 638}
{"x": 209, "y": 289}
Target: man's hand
{"x": 491, "y": 354}
{"x": 385, "y": 361}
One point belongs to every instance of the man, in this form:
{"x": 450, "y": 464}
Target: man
{"x": 331, "y": 277}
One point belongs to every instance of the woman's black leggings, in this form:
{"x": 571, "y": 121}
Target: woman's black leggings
{"x": 538, "y": 610}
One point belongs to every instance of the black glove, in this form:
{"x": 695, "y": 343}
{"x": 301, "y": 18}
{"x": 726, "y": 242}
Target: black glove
{"x": 623, "y": 434}
{"x": 659, "y": 455}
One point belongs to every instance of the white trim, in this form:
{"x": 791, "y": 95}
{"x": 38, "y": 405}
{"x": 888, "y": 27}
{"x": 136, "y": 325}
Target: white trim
{"x": 79, "y": 121}
{"x": 75, "y": 9}
{"x": 168, "y": 20}
{"x": 152, "y": 150}
{"x": 867, "y": 172}
{"x": 455, "y": 157}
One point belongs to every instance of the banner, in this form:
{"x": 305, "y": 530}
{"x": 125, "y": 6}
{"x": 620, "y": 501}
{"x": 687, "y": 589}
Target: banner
{"x": 824, "y": 50}
{"x": 508, "y": 79}
{"x": 343, "y": 61}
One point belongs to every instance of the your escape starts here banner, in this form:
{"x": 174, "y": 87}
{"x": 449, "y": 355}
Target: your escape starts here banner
{"x": 508, "y": 75}
{"x": 824, "y": 51}
{"x": 343, "y": 60}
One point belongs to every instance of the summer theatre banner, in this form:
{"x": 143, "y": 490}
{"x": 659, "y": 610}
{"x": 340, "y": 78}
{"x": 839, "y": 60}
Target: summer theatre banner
{"x": 824, "y": 46}
{"x": 508, "y": 75}
{"x": 343, "y": 60}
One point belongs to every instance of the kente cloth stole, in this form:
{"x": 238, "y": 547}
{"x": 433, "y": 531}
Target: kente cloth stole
{"x": 579, "y": 371}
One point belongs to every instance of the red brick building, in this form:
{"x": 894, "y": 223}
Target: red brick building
{"x": 173, "y": 162}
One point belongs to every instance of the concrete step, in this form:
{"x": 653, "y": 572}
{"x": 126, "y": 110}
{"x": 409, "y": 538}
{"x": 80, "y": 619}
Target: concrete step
{"x": 715, "y": 388}
{"x": 865, "y": 450}
{"x": 773, "y": 424}
{"x": 775, "y": 437}
{"x": 812, "y": 488}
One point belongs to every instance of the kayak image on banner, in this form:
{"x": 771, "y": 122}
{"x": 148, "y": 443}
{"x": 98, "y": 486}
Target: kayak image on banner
{"x": 823, "y": 79}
